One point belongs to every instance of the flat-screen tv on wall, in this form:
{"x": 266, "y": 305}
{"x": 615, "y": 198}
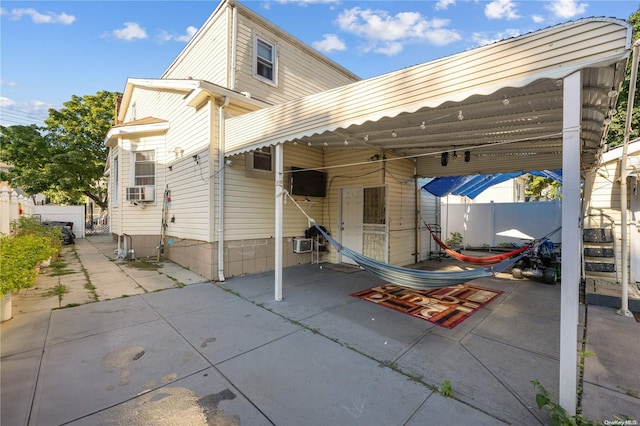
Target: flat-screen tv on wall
{"x": 308, "y": 183}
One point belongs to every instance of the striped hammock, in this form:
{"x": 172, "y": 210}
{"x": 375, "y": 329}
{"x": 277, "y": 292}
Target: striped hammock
{"x": 416, "y": 278}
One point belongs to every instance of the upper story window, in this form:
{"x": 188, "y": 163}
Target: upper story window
{"x": 264, "y": 60}
{"x": 145, "y": 168}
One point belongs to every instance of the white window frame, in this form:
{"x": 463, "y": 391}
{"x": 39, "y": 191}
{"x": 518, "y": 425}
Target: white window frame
{"x": 133, "y": 168}
{"x": 274, "y": 61}
{"x": 252, "y": 171}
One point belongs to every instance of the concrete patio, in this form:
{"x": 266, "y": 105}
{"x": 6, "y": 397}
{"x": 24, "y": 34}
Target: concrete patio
{"x": 227, "y": 353}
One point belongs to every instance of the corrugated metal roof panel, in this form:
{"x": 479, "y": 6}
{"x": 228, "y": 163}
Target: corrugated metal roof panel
{"x": 507, "y": 94}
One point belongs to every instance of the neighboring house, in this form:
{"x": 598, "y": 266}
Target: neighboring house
{"x": 604, "y": 212}
{"x": 204, "y": 153}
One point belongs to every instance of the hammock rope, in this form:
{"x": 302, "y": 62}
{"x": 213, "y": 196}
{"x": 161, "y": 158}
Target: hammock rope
{"x": 476, "y": 260}
{"x": 409, "y": 277}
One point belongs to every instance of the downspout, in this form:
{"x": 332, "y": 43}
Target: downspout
{"x": 624, "y": 226}
{"x": 221, "y": 166}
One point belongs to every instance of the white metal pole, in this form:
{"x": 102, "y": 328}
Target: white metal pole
{"x": 624, "y": 225}
{"x": 569, "y": 296}
{"x": 279, "y": 172}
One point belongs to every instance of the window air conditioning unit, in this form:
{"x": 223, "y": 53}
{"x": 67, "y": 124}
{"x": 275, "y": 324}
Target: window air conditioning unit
{"x": 301, "y": 245}
{"x": 141, "y": 193}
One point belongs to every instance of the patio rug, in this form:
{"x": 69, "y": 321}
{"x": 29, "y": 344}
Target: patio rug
{"x": 447, "y": 306}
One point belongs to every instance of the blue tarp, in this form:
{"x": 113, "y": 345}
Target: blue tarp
{"x": 472, "y": 186}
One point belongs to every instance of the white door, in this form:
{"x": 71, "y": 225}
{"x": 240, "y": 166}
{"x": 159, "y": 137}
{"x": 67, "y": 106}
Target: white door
{"x": 351, "y": 209}
{"x": 634, "y": 235}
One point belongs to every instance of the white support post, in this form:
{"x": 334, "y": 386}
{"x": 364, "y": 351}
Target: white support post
{"x": 279, "y": 172}
{"x": 569, "y": 297}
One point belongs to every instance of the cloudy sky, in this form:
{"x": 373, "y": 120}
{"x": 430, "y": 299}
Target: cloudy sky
{"x": 52, "y": 50}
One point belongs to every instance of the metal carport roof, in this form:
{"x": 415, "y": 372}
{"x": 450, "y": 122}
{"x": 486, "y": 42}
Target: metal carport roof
{"x": 501, "y": 102}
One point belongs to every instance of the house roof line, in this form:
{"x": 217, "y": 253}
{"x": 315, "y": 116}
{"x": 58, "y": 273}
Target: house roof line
{"x": 552, "y": 53}
{"x": 201, "y": 88}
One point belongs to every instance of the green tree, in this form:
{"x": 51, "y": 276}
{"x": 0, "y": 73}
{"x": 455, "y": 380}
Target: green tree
{"x": 27, "y": 149}
{"x": 543, "y": 189}
{"x": 615, "y": 136}
{"x": 66, "y": 158}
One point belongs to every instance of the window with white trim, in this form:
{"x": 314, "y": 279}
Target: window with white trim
{"x": 145, "y": 168}
{"x": 260, "y": 163}
{"x": 264, "y": 60}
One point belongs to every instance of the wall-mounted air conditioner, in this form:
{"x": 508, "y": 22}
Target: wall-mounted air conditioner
{"x": 301, "y": 245}
{"x": 141, "y": 193}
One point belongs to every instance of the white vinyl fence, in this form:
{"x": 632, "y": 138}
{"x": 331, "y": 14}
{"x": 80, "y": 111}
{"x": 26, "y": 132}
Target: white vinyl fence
{"x": 479, "y": 223}
{"x": 12, "y": 206}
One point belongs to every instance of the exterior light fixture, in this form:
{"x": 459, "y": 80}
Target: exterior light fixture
{"x": 460, "y": 116}
{"x": 393, "y": 134}
{"x": 308, "y": 143}
{"x": 467, "y": 156}
{"x": 505, "y": 101}
{"x": 366, "y": 138}
{"x": 423, "y": 125}
{"x": 346, "y": 142}
{"x": 325, "y": 144}
{"x": 444, "y": 159}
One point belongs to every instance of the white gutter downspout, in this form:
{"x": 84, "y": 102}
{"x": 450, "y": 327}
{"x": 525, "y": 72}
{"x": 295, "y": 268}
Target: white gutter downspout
{"x": 221, "y": 166}
{"x": 624, "y": 225}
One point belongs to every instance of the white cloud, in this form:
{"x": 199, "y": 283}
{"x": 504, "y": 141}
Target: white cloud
{"x": 8, "y": 83}
{"x": 389, "y": 49}
{"x": 385, "y": 33}
{"x": 187, "y": 35}
{"x": 165, "y": 36}
{"x": 40, "y": 18}
{"x": 537, "y": 19}
{"x": 329, "y": 43}
{"x": 566, "y": 9}
{"x": 6, "y": 102}
{"x": 444, "y": 4}
{"x": 501, "y": 9}
{"x": 482, "y": 39}
{"x": 130, "y": 32}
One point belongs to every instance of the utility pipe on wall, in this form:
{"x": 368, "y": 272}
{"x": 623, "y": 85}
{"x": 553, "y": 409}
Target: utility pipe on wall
{"x": 221, "y": 166}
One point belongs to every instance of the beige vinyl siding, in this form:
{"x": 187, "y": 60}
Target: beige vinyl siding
{"x": 190, "y": 198}
{"x": 402, "y": 210}
{"x": 250, "y": 202}
{"x": 206, "y": 57}
{"x": 115, "y": 211}
{"x": 300, "y": 70}
{"x": 139, "y": 221}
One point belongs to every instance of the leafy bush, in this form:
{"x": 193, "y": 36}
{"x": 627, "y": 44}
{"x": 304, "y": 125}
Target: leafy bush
{"x": 29, "y": 244}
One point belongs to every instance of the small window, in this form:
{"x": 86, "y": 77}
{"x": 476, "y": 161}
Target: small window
{"x": 145, "y": 168}
{"x": 262, "y": 159}
{"x": 259, "y": 163}
{"x": 265, "y": 60}
{"x": 374, "y": 206}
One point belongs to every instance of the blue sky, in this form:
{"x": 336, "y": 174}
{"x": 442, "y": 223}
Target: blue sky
{"x": 52, "y": 50}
